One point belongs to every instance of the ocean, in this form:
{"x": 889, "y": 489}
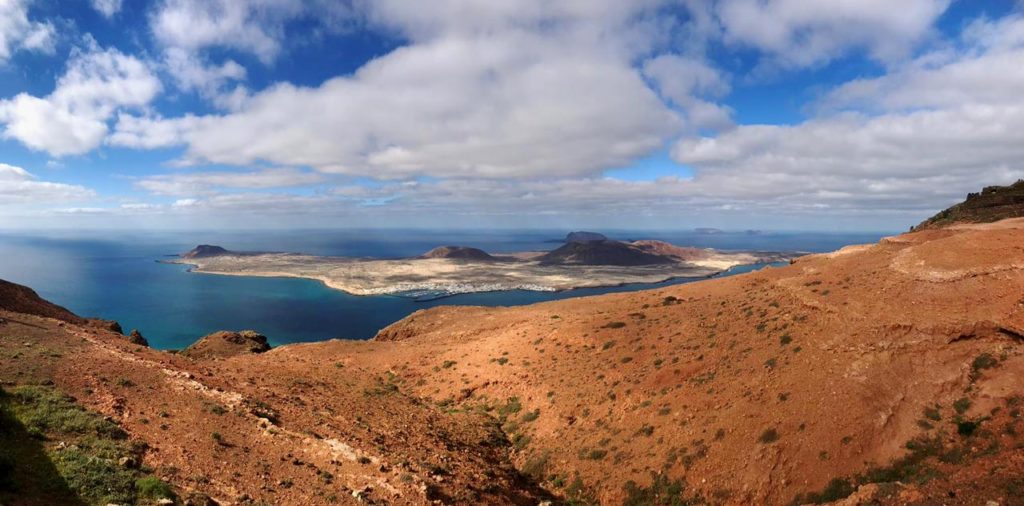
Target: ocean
{"x": 117, "y": 276}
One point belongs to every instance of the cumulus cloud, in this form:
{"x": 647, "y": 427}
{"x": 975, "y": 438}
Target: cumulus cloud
{"x": 107, "y": 7}
{"x": 919, "y": 137}
{"x": 18, "y": 186}
{"x": 947, "y": 78}
{"x": 797, "y": 33}
{"x": 513, "y": 98}
{"x": 209, "y": 182}
{"x": 18, "y": 32}
{"x": 684, "y": 81}
{"x": 73, "y": 119}
{"x": 188, "y": 29}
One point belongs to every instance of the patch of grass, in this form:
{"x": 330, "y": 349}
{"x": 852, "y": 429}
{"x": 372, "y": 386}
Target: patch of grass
{"x": 511, "y": 407}
{"x": 531, "y": 416}
{"x": 607, "y": 345}
{"x": 536, "y": 466}
{"x": 785, "y": 339}
{"x": 151, "y": 487}
{"x": 447, "y": 364}
{"x": 982, "y": 362}
{"x": 932, "y": 413}
{"x": 662, "y": 491}
{"x": 67, "y": 455}
{"x": 614, "y": 325}
{"x": 596, "y": 454}
{"x": 381, "y": 388}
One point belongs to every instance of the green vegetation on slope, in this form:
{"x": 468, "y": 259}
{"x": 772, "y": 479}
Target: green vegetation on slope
{"x": 54, "y": 452}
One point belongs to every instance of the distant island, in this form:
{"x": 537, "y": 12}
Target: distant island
{"x": 585, "y": 259}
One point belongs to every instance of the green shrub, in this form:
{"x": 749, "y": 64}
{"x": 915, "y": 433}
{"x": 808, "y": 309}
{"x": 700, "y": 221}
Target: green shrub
{"x": 661, "y": 492}
{"x": 152, "y": 487}
{"x": 961, "y": 405}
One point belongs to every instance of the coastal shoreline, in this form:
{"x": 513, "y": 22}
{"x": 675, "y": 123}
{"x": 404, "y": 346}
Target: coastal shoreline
{"x": 440, "y": 278}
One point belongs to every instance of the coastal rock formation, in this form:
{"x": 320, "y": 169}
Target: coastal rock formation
{"x": 992, "y": 204}
{"x": 22, "y": 299}
{"x": 459, "y": 253}
{"x": 135, "y": 337}
{"x": 206, "y": 251}
{"x": 225, "y": 344}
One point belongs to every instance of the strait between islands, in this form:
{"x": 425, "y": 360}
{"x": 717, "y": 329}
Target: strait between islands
{"x": 586, "y": 259}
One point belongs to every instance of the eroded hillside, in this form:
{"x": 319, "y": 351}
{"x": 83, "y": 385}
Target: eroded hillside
{"x": 895, "y": 362}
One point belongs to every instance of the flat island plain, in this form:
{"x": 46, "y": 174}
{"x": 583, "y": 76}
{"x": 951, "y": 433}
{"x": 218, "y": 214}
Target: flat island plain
{"x": 585, "y": 260}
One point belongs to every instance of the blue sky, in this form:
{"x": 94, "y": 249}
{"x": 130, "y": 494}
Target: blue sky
{"x": 773, "y": 114}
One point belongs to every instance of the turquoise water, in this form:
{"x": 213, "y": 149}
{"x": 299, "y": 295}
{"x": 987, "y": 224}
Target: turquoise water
{"x": 119, "y": 278}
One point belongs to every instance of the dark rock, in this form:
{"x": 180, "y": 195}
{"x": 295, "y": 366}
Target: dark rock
{"x": 110, "y": 325}
{"x": 226, "y": 344}
{"x": 135, "y": 337}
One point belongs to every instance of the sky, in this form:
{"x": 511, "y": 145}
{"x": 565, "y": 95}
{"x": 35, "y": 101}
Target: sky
{"x": 845, "y": 115}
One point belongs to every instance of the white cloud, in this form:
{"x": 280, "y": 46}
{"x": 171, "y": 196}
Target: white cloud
{"x": 253, "y": 26}
{"x": 184, "y": 203}
{"x": 17, "y": 31}
{"x": 684, "y": 80}
{"x": 73, "y": 119}
{"x": 18, "y": 186}
{"x": 514, "y": 98}
{"x": 107, "y": 7}
{"x": 799, "y": 33}
{"x": 208, "y": 182}
{"x": 213, "y": 82}
{"x": 988, "y": 69}
{"x": 187, "y": 30}
{"x": 920, "y": 137}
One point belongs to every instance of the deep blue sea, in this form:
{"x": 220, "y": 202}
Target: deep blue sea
{"x": 115, "y": 275}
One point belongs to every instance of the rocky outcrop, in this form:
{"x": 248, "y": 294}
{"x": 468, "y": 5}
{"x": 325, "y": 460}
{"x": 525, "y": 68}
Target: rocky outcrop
{"x": 135, "y": 337}
{"x": 994, "y": 203}
{"x": 22, "y": 299}
{"x": 108, "y": 325}
{"x": 226, "y": 344}
{"x": 206, "y": 251}
{"x": 459, "y": 253}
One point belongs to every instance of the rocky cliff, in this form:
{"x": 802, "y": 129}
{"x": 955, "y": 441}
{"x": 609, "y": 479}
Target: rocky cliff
{"x": 993, "y": 203}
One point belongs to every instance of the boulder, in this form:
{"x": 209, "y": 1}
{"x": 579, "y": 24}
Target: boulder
{"x": 135, "y": 337}
{"x": 225, "y": 344}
